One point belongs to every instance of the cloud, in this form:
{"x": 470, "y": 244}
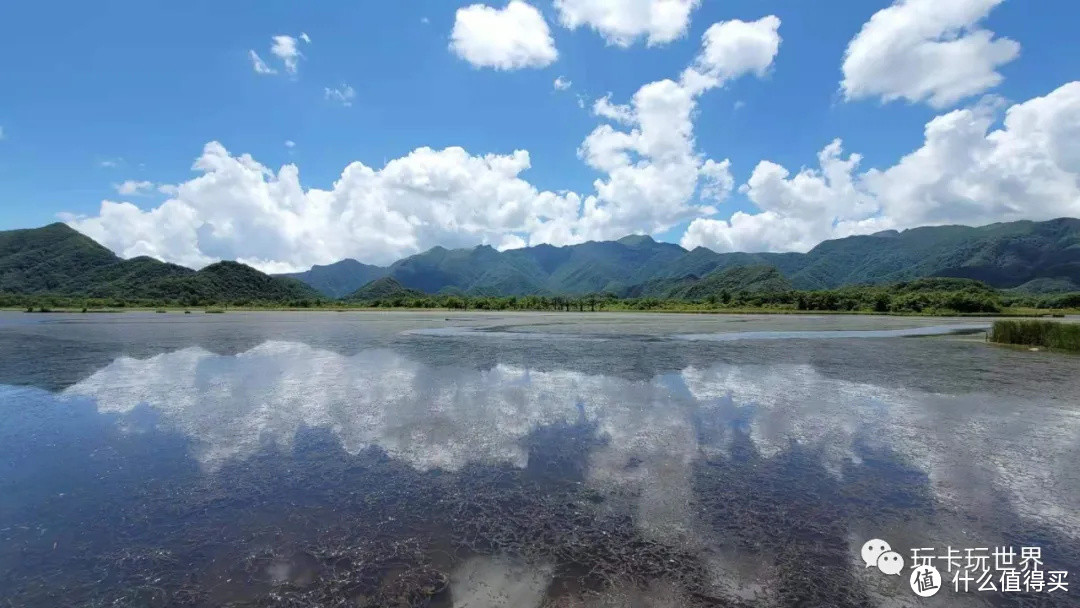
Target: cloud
{"x": 965, "y": 172}
{"x": 622, "y": 22}
{"x": 133, "y": 188}
{"x": 562, "y": 84}
{"x": 717, "y": 181}
{"x": 343, "y": 94}
{"x": 732, "y": 49}
{"x": 110, "y": 163}
{"x": 794, "y": 211}
{"x": 926, "y": 50}
{"x": 653, "y": 169}
{"x": 511, "y": 241}
{"x": 284, "y": 48}
{"x": 512, "y": 38}
{"x": 259, "y": 65}
{"x": 240, "y": 209}
{"x": 379, "y": 397}
{"x": 620, "y": 113}
{"x": 290, "y": 143}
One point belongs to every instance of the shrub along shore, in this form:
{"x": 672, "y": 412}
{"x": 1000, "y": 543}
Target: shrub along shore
{"x": 1045, "y": 334}
{"x": 931, "y": 296}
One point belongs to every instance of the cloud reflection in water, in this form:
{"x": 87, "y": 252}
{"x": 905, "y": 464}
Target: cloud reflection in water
{"x": 448, "y": 416}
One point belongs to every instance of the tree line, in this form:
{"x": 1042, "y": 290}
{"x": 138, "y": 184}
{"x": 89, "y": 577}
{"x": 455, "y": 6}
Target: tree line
{"x": 923, "y": 296}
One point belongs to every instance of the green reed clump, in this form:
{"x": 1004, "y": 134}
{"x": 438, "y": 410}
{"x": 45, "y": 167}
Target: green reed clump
{"x": 1048, "y": 334}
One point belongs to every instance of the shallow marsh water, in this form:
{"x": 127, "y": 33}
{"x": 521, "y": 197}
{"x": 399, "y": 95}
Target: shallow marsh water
{"x": 470, "y": 459}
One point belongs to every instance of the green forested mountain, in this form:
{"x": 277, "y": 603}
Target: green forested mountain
{"x": 1002, "y": 255}
{"x": 339, "y": 279}
{"x": 122, "y": 278}
{"x": 385, "y": 288}
{"x": 227, "y": 282}
{"x": 58, "y": 260}
{"x": 1035, "y": 256}
{"x": 585, "y": 268}
{"x": 746, "y": 279}
{"x": 1025, "y": 257}
{"x": 50, "y": 258}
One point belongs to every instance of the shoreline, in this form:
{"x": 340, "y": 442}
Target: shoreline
{"x": 1017, "y": 313}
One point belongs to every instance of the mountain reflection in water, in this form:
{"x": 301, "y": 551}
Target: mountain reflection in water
{"x": 410, "y": 472}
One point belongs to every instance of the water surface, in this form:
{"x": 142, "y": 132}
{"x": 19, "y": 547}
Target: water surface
{"x": 401, "y": 459}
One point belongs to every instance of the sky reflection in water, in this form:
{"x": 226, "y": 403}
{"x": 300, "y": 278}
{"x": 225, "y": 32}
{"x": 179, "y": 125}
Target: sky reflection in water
{"x": 971, "y": 467}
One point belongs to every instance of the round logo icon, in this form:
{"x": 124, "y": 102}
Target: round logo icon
{"x": 890, "y": 562}
{"x": 872, "y": 550}
{"x": 925, "y": 581}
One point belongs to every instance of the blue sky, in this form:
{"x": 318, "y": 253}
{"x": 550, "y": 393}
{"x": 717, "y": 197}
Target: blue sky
{"x": 95, "y": 94}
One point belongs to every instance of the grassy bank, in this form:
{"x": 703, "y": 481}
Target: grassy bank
{"x": 1046, "y": 334}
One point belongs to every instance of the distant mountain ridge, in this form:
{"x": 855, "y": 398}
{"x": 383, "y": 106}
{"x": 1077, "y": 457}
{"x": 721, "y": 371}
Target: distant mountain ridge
{"x": 745, "y": 279}
{"x": 58, "y": 260}
{"x": 339, "y": 279}
{"x": 1025, "y": 256}
{"x": 1045, "y": 255}
{"x": 382, "y": 289}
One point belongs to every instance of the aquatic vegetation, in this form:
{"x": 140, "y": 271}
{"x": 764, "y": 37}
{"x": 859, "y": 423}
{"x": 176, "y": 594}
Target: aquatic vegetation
{"x": 1054, "y": 335}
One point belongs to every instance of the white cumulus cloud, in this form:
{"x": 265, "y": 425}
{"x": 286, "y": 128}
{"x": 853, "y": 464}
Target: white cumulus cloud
{"x": 511, "y": 38}
{"x": 622, "y": 22}
{"x": 285, "y": 49}
{"x": 237, "y": 208}
{"x": 621, "y": 113}
{"x": 733, "y": 48}
{"x": 133, "y": 187}
{"x": 653, "y": 168}
{"x": 926, "y": 50}
{"x": 965, "y": 172}
{"x": 240, "y": 209}
{"x": 562, "y": 84}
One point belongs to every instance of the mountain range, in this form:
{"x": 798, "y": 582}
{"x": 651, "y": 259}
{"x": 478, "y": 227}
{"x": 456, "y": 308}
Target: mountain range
{"x": 1039, "y": 257}
{"x": 58, "y": 260}
{"x": 1025, "y": 255}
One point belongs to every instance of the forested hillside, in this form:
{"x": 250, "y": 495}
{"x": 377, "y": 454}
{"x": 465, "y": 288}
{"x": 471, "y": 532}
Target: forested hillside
{"x": 57, "y": 260}
{"x": 1038, "y": 257}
